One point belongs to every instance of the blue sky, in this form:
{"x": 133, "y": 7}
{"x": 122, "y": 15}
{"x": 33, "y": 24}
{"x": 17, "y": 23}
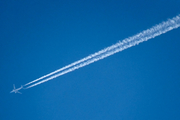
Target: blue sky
{"x": 38, "y": 37}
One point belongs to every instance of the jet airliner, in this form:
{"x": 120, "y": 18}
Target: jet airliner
{"x": 16, "y": 90}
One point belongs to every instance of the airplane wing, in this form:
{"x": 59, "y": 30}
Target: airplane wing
{"x": 19, "y": 92}
{"x": 16, "y": 90}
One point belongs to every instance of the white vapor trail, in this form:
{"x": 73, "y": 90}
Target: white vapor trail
{"x": 145, "y": 35}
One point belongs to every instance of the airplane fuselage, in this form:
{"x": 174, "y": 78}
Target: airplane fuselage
{"x": 16, "y": 90}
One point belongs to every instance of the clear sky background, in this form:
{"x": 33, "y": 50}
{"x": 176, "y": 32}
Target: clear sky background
{"x": 40, "y": 36}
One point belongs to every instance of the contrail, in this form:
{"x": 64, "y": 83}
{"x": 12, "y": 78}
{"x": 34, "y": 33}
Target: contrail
{"x": 145, "y": 35}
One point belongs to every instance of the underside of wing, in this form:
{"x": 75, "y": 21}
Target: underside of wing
{"x": 14, "y": 86}
{"x": 19, "y": 92}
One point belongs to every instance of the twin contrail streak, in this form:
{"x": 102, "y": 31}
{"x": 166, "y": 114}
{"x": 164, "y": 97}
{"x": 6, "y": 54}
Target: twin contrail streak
{"x": 120, "y": 46}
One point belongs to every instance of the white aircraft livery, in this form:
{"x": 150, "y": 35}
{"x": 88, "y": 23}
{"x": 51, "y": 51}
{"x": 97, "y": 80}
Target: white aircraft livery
{"x": 16, "y": 90}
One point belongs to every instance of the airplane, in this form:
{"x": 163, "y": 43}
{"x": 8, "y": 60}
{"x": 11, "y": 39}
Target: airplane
{"x": 16, "y": 90}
